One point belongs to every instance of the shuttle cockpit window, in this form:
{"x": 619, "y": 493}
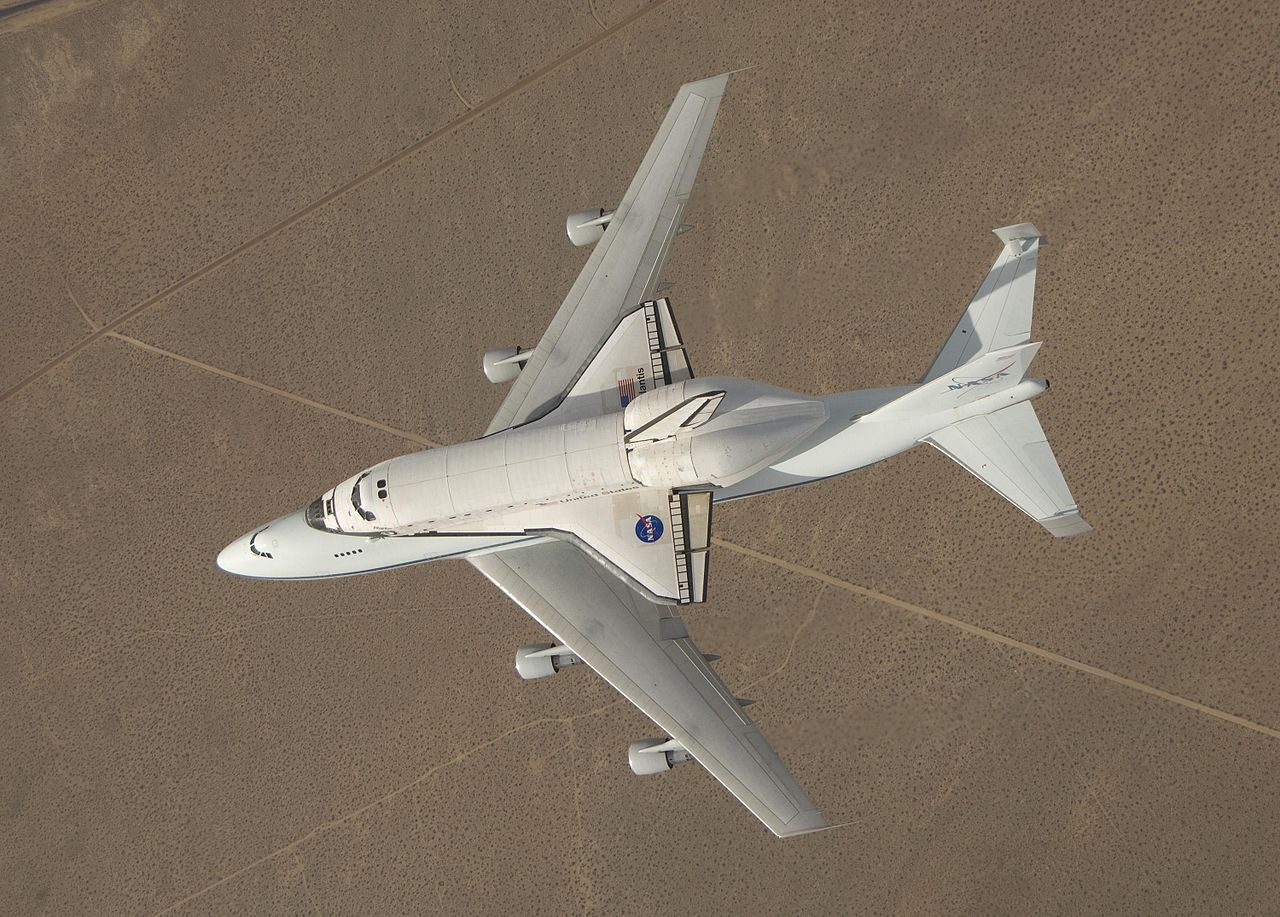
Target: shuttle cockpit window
{"x": 315, "y": 515}
{"x": 365, "y": 514}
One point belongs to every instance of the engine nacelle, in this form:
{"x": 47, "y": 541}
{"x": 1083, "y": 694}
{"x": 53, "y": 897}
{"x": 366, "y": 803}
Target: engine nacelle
{"x": 504, "y": 364}
{"x": 538, "y": 660}
{"x": 655, "y": 756}
{"x": 586, "y": 227}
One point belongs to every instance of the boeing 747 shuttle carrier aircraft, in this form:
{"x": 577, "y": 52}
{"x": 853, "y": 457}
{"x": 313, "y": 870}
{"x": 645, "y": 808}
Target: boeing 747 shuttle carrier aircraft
{"x": 589, "y": 499}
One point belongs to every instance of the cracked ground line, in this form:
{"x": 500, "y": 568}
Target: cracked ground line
{"x": 341, "y": 820}
{"x": 298, "y": 215}
{"x": 1001, "y": 639}
{"x": 271, "y": 389}
{"x": 791, "y": 648}
{"x": 1075, "y": 772}
{"x": 583, "y": 873}
{"x": 93, "y": 326}
{"x": 306, "y": 886}
{"x": 453, "y": 84}
{"x": 591, "y": 5}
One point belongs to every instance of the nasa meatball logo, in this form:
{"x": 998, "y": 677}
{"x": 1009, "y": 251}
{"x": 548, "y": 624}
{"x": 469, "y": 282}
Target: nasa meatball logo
{"x": 649, "y": 529}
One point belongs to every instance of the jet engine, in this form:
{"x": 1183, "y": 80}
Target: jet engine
{"x": 586, "y": 227}
{"x": 655, "y": 756}
{"x": 538, "y": 660}
{"x": 505, "y": 363}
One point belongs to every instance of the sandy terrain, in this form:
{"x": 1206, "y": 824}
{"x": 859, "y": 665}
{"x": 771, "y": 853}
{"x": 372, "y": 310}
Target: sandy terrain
{"x": 250, "y": 247}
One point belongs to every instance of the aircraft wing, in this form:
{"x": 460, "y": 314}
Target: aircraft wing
{"x": 625, "y": 267}
{"x": 644, "y": 352}
{"x": 643, "y": 650}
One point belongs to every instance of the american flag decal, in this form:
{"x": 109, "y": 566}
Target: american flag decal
{"x": 626, "y": 390}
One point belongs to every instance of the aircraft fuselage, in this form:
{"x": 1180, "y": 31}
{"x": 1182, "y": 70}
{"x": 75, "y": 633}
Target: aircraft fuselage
{"x": 481, "y": 495}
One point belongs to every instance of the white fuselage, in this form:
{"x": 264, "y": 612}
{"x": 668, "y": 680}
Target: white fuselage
{"x": 478, "y": 496}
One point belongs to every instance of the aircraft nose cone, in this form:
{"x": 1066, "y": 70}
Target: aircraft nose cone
{"x": 234, "y": 557}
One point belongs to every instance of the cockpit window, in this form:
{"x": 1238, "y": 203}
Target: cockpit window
{"x": 315, "y": 515}
{"x": 253, "y": 546}
{"x": 365, "y": 514}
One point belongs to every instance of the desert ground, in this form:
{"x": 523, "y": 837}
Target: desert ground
{"x": 251, "y": 247}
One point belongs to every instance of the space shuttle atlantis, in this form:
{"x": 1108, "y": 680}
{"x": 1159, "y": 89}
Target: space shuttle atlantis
{"x": 589, "y": 498}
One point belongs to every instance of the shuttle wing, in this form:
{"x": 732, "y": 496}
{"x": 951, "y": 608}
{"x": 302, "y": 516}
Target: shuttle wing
{"x": 644, "y": 352}
{"x": 625, "y": 267}
{"x": 644, "y": 651}
{"x": 658, "y": 541}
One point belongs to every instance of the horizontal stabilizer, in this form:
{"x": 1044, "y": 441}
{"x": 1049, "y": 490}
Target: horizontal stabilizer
{"x": 984, "y": 376}
{"x": 1008, "y": 452}
{"x": 999, "y": 315}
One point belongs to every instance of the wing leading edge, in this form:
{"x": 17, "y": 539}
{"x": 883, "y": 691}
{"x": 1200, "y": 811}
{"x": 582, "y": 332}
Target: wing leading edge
{"x": 642, "y": 649}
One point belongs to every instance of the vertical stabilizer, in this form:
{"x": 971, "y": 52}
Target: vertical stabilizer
{"x": 984, "y": 375}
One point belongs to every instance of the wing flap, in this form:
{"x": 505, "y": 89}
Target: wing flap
{"x": 691, "y": 541}
{"x": 621, "y": 636}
